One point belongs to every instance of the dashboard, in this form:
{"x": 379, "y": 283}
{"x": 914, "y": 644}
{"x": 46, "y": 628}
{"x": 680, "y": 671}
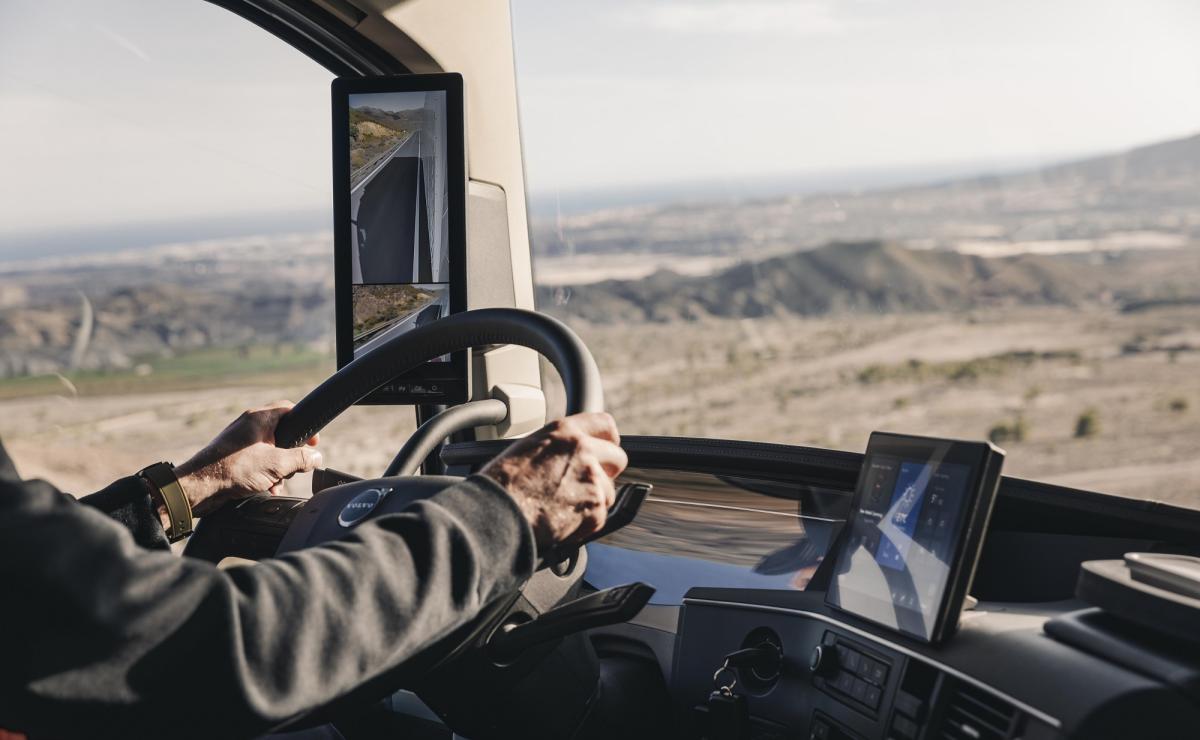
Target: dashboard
{"x": 741, "y": 540}
{"x": 1000, "y": 676}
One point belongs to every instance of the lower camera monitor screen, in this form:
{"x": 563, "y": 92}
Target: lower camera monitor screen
{"x": 399, "y": 190}
{"x": 909, "y": 549}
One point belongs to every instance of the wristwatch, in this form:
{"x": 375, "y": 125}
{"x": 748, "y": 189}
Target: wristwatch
{"x": 161, "y": 478}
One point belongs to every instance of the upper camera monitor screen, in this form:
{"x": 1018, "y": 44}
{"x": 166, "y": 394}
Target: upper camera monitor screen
{"x": 400, "y": 192}
{"x": 909, "y": 548}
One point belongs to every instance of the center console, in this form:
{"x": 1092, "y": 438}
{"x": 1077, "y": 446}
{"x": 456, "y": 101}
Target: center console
{"x": 886, "y": 644}
{"x": 1000, "y": 677}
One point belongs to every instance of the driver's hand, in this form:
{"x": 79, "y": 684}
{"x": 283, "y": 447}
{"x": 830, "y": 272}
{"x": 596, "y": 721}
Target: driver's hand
{"x": 243, "y": 460}
{"x": 562, "y": 475}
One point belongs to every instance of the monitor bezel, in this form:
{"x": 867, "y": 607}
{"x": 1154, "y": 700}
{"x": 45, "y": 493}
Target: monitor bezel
{"x": 455, "y": 385}
{"x": 985, "y": 461}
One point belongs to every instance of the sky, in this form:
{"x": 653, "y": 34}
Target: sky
{"x": 177, "y": 112}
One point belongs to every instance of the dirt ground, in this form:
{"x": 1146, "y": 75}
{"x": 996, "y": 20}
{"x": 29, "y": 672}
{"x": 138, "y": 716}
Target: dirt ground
{"x": 81, "y": 444}
{"x": 825, "y": 382}
{"x": 830, "y": 382}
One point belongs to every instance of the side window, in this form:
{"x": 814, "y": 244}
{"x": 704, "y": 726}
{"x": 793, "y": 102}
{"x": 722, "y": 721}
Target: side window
{"x": 799, "y": 222}
{"x": 165, "y": 248}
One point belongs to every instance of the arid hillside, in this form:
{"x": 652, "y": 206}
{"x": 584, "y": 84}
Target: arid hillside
{"x": 880, "y": 278}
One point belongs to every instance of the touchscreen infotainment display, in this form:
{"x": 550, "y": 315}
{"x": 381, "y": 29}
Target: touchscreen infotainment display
{"x": 910, "y": 543}
{"x": 400, "y": 183}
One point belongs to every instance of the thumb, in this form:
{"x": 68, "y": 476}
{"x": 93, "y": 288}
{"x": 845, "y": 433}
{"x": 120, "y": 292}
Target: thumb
{"x": 298, "y": 460}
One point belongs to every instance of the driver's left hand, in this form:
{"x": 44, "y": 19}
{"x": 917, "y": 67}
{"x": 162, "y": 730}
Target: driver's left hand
{"x": 243, "y": 460}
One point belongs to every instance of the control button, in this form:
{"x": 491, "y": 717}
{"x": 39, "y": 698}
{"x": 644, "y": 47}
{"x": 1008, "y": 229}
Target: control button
{"x": 859, "y": 690}
{"x": 875, "y": 672}
{"x": 904, "y": 726}
{"x": 874, "y": 693}
{"x": 819, "y": 730}
{"x": 910, "y": 705}
{"x": 850, "y": 660}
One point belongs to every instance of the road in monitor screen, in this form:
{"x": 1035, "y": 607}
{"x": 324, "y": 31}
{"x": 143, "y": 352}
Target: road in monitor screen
{"x": 382, "y": 312}
{"x": 398, "y": 188}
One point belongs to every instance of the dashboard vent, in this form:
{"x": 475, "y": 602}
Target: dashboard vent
{"x": 972, "y": 714}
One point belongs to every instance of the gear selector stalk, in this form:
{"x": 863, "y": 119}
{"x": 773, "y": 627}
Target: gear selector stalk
{"x": 610, "y": 606}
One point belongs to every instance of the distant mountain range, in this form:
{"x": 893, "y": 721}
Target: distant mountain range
{"x": 878, "y": 277}
{"x": 901, "y": 249}
{"x": 1147, "y": 190}
{"x": 863, "y": 277}
{"x": 1169, "y": 168}
{"x": 403, "y": 120}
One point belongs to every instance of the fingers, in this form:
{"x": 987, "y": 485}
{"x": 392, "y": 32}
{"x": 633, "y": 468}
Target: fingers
{"x": 610, "y": 457}
{"x": 305, "y": 459}
{"x": 595, "y": 435}
{"x": 599, "y": 424}
{"x": 562, "y": 476}
{"x": 608, "y": 490}
{"x": 286, "y": 463}
{"x": 598, "y": 495}
{"x": 271, "y": 415}
{"x": 264, "y": 419}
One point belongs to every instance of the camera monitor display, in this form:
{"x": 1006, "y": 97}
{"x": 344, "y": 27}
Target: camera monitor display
{"x": 400, "y": 222}
{"x": 907, "y": 554}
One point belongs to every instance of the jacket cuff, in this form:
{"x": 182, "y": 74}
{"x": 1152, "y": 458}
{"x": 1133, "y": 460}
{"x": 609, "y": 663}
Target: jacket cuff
{"x": 128, "y": 502}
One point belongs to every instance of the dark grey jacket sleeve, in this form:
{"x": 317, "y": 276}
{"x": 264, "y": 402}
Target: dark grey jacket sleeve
{"x": 128, "y": 502}
{"x": 101, "y": 637}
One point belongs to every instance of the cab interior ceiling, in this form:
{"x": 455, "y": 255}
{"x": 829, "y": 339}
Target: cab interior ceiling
{"x": 324, "y": 34}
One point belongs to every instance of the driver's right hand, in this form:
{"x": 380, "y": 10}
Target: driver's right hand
{"x": 561, "y": 476}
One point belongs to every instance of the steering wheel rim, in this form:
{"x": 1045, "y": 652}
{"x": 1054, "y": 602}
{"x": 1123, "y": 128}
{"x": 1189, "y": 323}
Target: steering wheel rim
{"x": 546, "y": 335}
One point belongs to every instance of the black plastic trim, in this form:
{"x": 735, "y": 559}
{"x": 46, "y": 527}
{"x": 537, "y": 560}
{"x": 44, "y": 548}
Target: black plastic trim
{"x": 829, "y": 468}
{"x": 1021, "y": 505}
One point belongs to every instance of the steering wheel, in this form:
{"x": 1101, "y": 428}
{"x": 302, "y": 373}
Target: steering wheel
{"x": 438, "y": 672}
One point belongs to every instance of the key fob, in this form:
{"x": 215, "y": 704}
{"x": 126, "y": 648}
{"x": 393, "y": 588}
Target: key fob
{"x": 728, "y": 716}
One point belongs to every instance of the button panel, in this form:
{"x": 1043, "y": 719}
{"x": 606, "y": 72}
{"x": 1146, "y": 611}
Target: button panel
{"x": 861, "y": 677}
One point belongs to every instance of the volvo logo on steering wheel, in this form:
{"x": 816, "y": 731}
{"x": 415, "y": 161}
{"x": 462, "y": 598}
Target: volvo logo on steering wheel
{"x": 361, "y": 505}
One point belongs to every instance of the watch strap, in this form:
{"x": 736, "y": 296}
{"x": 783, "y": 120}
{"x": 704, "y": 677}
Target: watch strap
{"x": 161, "y": 477}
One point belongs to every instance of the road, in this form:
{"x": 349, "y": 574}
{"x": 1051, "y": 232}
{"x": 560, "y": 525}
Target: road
{"x": 438, "y": 308}
{"x": 391, "y": 243}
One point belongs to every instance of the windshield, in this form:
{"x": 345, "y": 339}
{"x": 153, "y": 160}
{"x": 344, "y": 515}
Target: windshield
{"x": 801, "y": 221}
{"x": 785, "y": 221}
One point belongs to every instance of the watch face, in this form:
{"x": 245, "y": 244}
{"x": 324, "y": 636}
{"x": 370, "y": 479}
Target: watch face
{"x": 361, "y": 506}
